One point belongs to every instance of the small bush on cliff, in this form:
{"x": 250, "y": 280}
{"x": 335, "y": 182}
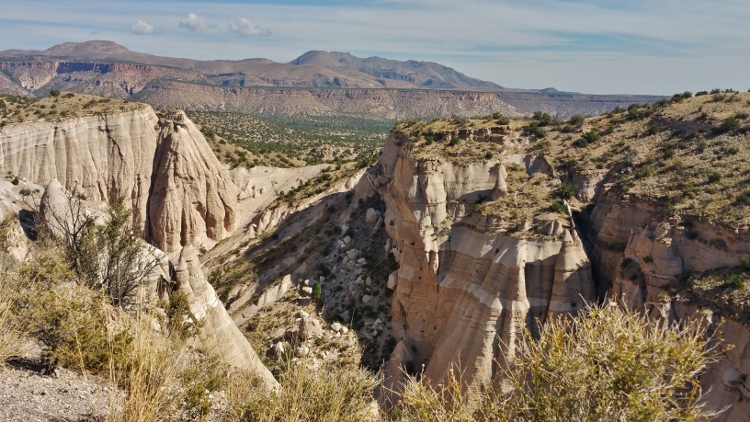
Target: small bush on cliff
{"x": 317, "y": 291}
{"x": 606, "y": 364}
{"x": 111, "y": 257}
{"x": 576, "y": 120}
{"x": 566, "y": 190}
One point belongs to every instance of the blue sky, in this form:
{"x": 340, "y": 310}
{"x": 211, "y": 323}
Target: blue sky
{"x": 625, "y": 46}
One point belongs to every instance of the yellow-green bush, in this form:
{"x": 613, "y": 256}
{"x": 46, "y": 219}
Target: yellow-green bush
{"x": 324, "y": 394}
{"x": 606, "y": 364}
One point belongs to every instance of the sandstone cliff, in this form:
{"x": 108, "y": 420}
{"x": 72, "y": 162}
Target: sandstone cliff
{"x": 219, "y": 334}
{"x": 105, "y": 155}
{"x": 192, "y": 200}
{"x": 165, "y": 170}
{"x": 466, "y": 287}
{"x": 659, "y": 266}
{"x": 655, "y": 204}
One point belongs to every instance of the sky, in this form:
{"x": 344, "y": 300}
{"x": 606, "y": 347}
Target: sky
{"x": 656, "y": 47}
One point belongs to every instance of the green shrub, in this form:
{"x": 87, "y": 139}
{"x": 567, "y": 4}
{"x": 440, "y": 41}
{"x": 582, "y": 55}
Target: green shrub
{"x": 644, "y": 171}
{"x": 735, "y": 281}
{"x": 576, "y": 120}
{"x": 11, "y": 328}
{"x": 542, "y": 118}
{"x": 199, "y": 379}
{"x": 54, "y": 93}
{"x": 714, "y": 177}
{"x": 590, "y": 136}
{"x": 535, "y": 129}
{"x": 653, "y": 130}
{"x": 676, "y": 98}
{"x": 557, "y": 207}
{"x": 181, "y": 322}
{"x": 586, "y": 139}
{"x": 329, "y": 393}
{"x": 502, "y": 120}
{"x": 317, "y": 291}
{"x": 71, "y": 320}
{"x": 566, "y": 190}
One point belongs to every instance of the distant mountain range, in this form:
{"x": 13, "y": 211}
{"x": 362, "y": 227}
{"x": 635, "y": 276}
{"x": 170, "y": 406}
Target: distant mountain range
{"x": 109, "y": 69}
{"x": 314, "y": 69}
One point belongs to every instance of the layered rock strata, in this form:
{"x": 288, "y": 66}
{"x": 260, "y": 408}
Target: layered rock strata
{"x": 219, "y": 334}
{"x": 652, "y": 259}
{"x": 465, "y": 288}
{"x": 192, "y": 200}
{"x": 167, "y": 172}
{"x": 105, "y": 156}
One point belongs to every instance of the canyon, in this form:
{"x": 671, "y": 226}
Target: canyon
{"x": 459, "y": 240}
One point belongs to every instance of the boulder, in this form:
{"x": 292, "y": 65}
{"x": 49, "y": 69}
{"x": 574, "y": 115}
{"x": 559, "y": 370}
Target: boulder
{"x": 309, "y": 328}
{"x": 392, "y": 280}
{"x": 278, "y": 350}
{"x": 371, "y": 216}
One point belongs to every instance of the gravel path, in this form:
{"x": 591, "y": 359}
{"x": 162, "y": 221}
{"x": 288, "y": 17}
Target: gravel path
{"x": 26, "y": 395}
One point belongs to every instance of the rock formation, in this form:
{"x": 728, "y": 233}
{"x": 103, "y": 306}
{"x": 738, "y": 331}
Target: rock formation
{"x": 171, "y": 179}
{"x": 105, "y": 156}
{"x": 464, "y": 289}
{"x": 219, "y": 332}
{"x": 648, "y": 269}
{"x": 192, "y": 200}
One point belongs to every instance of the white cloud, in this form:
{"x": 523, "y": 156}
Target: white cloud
{"x": 243, "y": 28}
{"x": 195, "y": 23}
{"x": 141, "y": 28}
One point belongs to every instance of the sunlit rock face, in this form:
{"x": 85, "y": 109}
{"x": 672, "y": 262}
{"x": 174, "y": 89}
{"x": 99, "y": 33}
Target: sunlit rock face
{"x": 464, "y": 288}
{"x": 192, "y": 199}
{"x": 103, "y": 156}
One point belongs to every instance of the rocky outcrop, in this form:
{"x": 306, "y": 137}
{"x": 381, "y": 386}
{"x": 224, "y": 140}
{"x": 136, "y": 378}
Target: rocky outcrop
{"x": 171, "y": 179}
{"x": 219, "y": 332}
{"x": 105, "y": 156}
{"x": 192, "y": 200}
{"x": 647, "y": 255}
{"x": 465, "y": 288}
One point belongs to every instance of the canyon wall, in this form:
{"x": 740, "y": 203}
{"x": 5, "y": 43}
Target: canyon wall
{"x": 465, "y": 288}
{"x": 166, "y": 171}
{"x": 172, "y": 181}
{"x": 649, "y": 260}
{"x": 104, "y": 155}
